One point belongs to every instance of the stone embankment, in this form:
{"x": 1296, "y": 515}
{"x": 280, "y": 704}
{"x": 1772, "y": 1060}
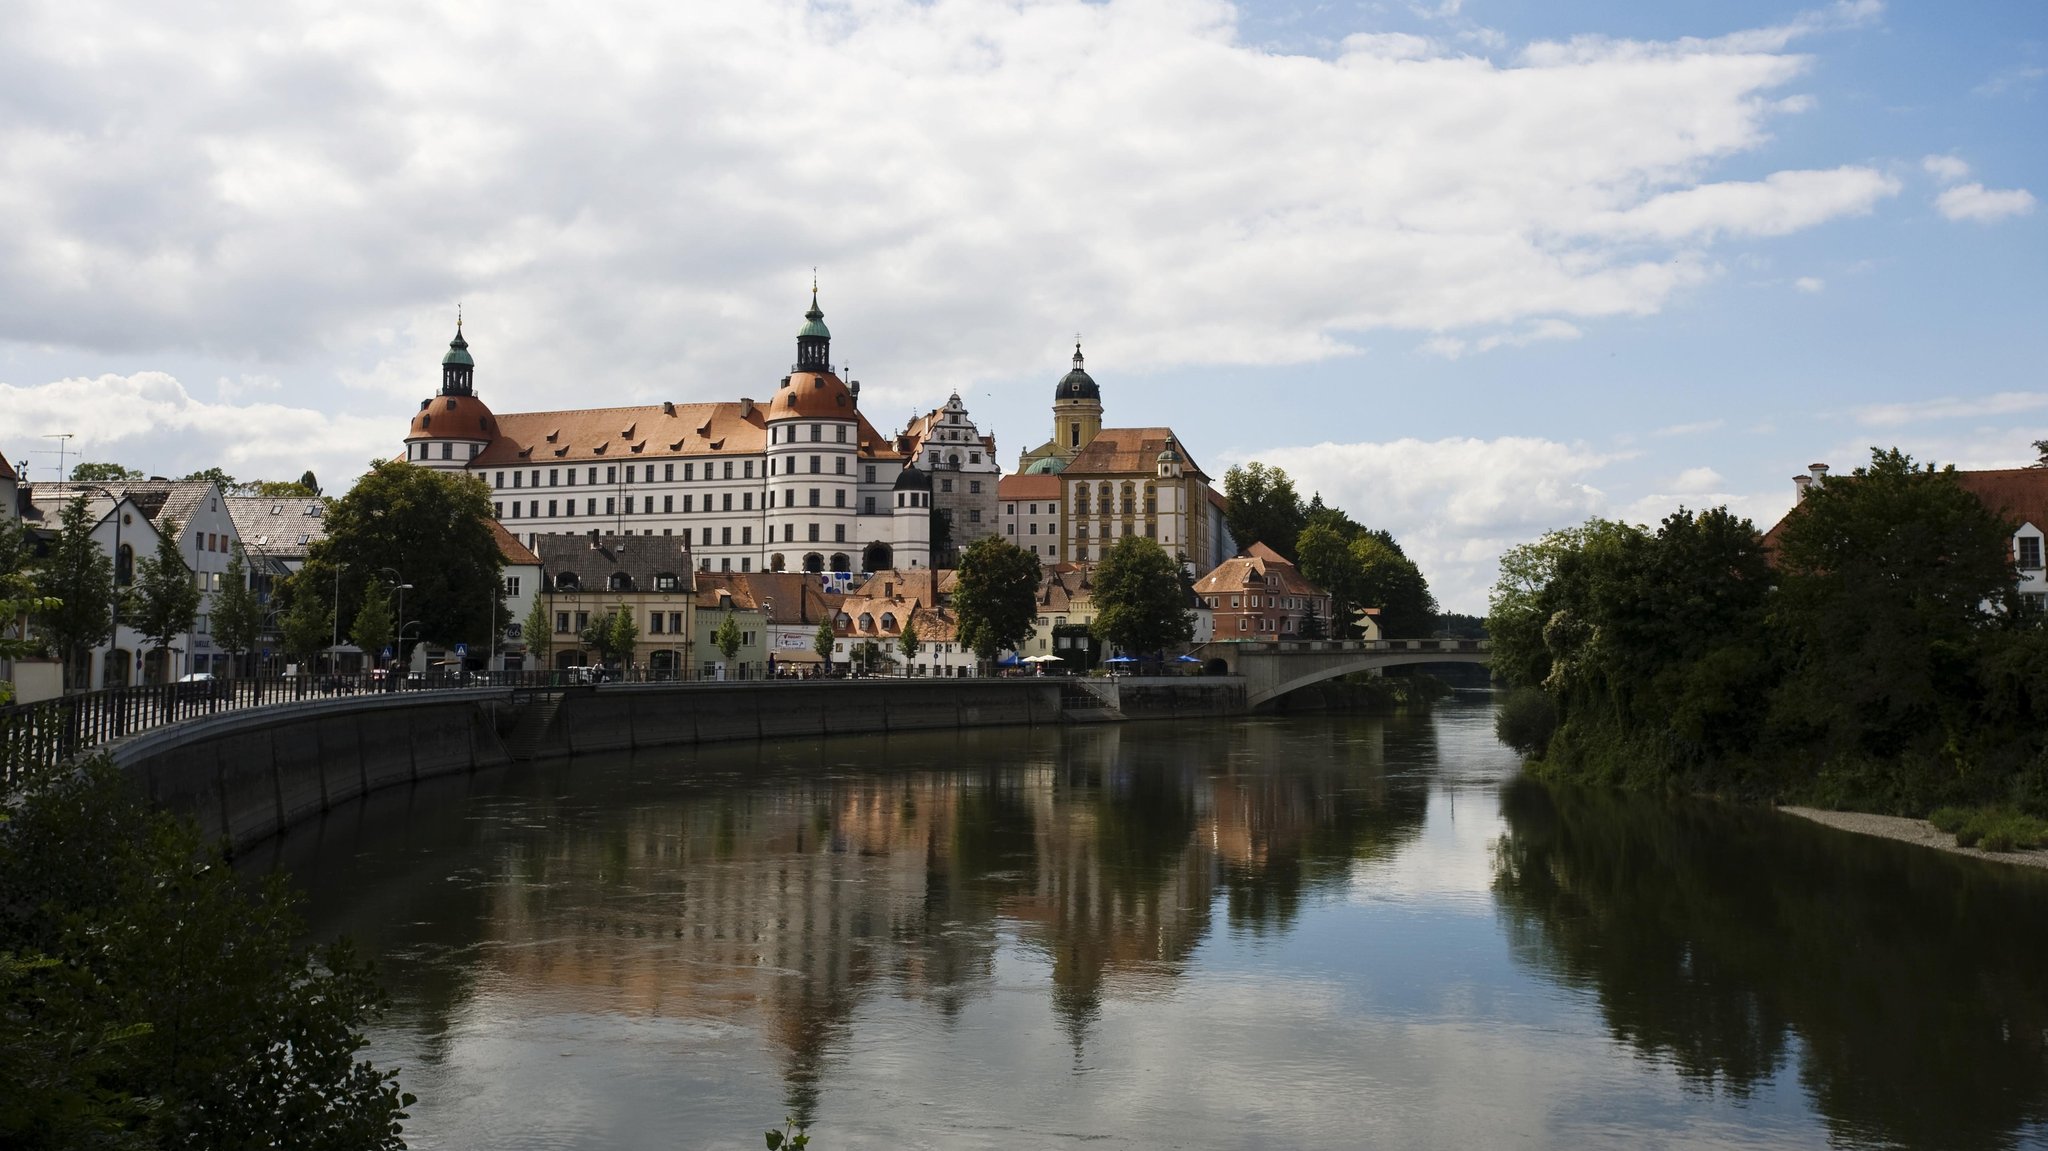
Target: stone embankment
{"x": 247, "y": 775}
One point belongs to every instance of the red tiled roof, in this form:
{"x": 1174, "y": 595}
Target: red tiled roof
{"x": 1127, "y": 450}
{"x": 648, "y": 431}
{"x": 1038, "y": 486}
{"x": 2018, "y": 494}
{"x": 515, "y": 553}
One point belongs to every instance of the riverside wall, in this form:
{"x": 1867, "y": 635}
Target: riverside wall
{"x": 247, "y": 775}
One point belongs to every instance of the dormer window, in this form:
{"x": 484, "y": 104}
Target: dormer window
{"x": 567, "y": 581}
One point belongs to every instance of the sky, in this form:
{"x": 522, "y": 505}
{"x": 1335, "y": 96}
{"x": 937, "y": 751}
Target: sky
{"x": 1472, "y": 270}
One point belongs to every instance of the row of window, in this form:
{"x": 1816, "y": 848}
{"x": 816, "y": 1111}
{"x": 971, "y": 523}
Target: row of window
{"x": 644, "y": 505}
{"x": 1296, "y": 602}
{"x": 786, "y": 433}
{"x": 644, "y": 473}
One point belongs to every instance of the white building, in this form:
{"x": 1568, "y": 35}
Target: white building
{"x": 800, "y": 481}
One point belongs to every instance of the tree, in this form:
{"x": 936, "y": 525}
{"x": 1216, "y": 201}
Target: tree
{"x": 611, "y": 635}
{"x": 995, "y": 597}
{"x": 280, "y": 489}
{"x": 76, "y": 585}
{"x": 18, "y": 596}
{"x": 309, "y": 482}
{"x": 907, "y": 642}
{"x": 822, "y": 642}
{"x": 430, "y": 530}
{"x": 237, "y": 614}
{"x": 371, "y": 630}
{"x": 942, "y": 537}
{"x": 1390, "y": 581}
{"x": 215, "y": 476}
{"x": 727, "y": 638}
{"x": 1888, "y": 578}
{"x": 1312, "y": 624}
{"x": 1264, "y": 507}
{"x": 95, "y": 473}
{"x": 152, "y": 996}
{"x": 308, "y": 624}
{"x": 1140, "y": 605}
{"x": 539, "y": 629}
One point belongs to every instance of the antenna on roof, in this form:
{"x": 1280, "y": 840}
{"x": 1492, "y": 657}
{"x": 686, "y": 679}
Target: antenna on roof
{"x": 63, "y": 440}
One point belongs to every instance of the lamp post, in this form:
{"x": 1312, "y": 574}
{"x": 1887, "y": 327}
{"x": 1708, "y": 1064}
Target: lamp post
{"x": 400, "y": 587}
{"x": 113, "y": 607}
{"x": 334, "y": 649}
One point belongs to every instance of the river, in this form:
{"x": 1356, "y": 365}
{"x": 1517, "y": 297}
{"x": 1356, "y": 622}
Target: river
{"x": 1266, "y": 933}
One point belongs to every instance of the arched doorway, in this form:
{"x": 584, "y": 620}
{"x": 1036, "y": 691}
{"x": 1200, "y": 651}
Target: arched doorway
{"x": 776, "y": 562}
{"x": 813, "y": 562}
{"x": 120, "y": 662}
{"x": 877, "y": 557}
{"x": 839, "y": 563}
{"x": 568, "y": 659}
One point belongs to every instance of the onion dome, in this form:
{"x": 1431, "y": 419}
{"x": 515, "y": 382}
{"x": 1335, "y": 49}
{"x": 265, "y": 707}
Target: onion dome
{"x": 1077, "y": 384}
{"x": 458, "y": 348}
{"x": 1169, "y": 456}
{"x": 814, "y": 320}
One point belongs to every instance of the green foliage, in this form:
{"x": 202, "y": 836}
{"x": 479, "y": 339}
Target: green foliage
{"x": 906, "y": 642}
{"x": 1991, "y": 828}
{"x": 76, "y": 586}
{"x": 727, "y": 638}
{"x": 995, "y": 597}
{"x": 612, "y": 635}
{"x": 215, "y": 476}
{"x": 1526, "y": 720}
{"x": 822, "y": 642}
{"x": 19, "y": 598}
{"x": 1140, "y": 603}
{"x": 281, "y": 489}
{"x": 430, "y": 530}
{"x": 371, "y": 630}
{"x": 149, "y": 998}
{"x": 1264, "y": 508}
{"x": 308, "y": 624}
{"x": 1887, "y": 669}
{"x": 166, "y": 596}
{"x": 237, "y": 614}
{"x": 791, "y": 1137}
{"x": 538, "y": 628}
{"x": 1364, "y": 568}
{"x": 85, "y": 472}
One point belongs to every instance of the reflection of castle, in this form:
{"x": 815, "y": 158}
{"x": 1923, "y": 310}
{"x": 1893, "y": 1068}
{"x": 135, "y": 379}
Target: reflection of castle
{"x": 795, "y": 902}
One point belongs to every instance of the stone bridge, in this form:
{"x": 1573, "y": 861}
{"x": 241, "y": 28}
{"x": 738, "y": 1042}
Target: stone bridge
{"x": 1274, "y": 668}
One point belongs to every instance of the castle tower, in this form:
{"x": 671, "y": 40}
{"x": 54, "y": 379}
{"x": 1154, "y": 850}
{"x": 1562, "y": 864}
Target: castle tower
{"x": 453, "y": 427}
{"x": 813, "y": 461}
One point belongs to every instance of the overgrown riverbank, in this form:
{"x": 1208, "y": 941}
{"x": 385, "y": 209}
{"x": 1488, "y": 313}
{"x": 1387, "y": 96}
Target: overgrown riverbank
{"x": 1871, "y": 655}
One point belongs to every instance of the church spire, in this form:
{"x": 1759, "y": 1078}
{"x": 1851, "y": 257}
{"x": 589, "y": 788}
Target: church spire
{"x": 456, "y": 367}
{"x": 814, "y": 339}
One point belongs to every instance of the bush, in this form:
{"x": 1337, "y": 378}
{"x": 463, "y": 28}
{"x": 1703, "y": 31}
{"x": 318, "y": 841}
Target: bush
{"x": 150, "y": 997}
{"x": 1991, "y": 828}
{"x": 1526, "y": 720}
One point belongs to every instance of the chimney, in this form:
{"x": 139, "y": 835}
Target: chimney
{"x": 1819, "y": 472}
{"x": 668, "y": 408}
{"x": 746, "y": 407}
{"x": 1800, "y": 483}
{"x": 593, "y": 539}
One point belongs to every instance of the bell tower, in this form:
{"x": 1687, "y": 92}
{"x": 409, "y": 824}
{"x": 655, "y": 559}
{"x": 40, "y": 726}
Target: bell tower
{"x": 1076, "y": 409}
{"x": 456, "y": 366}
{"x": 814, "y": 339}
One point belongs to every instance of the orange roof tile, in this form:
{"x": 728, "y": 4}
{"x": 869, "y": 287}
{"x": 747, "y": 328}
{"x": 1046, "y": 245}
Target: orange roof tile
{"x": 649, "y": 431}
{"x": 1039, "y": 486}
{"x": 1127, "y": 450}
{"x": 515, "y": 553}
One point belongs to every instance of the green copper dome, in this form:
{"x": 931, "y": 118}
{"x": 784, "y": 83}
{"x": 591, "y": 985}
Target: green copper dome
{"x": 1049, "y": 466}
{"x": 814, "y": 321}
{"x": 458, "y": 350}
{"x": 1169, "y": 456}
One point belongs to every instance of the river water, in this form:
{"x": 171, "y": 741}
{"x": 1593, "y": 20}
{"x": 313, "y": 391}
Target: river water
{"x": 1267, "y": 933}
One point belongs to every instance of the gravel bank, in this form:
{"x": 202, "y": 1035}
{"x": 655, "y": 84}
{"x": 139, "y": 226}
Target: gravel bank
{"x": 1912, "y": 831}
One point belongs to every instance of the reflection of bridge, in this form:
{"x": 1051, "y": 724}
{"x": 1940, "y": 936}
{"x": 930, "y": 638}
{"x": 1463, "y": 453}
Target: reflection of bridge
{"x": 1274, "y": 668}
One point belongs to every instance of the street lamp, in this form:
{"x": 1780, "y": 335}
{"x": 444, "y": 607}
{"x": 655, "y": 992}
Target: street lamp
{"x": 334, "y": 649}
{"x": 114, "y": 631}
{"x": 401, "y": 589}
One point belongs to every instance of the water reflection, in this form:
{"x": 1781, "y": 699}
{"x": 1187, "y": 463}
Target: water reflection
{"x": 1905, "y": 986}
{"x": 1300, "y": 932}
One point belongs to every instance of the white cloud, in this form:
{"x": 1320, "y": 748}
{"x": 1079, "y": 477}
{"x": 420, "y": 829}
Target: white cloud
{"x": 1951, "y": 408}
{"x": 1455, "y": 504}
{"x": 1947, "y": 169}
{"x": 1697, "y": 480}
{"x": 1693, "y": 429}
{"x": 1453, "y": 347}
{"x": 630, "y": 202}
{"x": 134, "y": 415}
{"x": 1812, "y": 285}
{"x": 1983, "y": 205}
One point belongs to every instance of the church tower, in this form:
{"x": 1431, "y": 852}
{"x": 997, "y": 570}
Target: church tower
{"x": 1076, "y": 409}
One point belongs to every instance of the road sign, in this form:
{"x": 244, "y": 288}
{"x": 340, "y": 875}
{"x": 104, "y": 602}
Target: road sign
{"x": 387, "y": 653}
{"x": 266, "y": 653}
{"x": 462, "y": 649}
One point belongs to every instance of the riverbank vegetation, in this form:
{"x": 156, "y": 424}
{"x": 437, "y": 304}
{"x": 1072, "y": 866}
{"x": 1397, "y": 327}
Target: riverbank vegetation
{"x": 151, "y": 997}
{"x": 1873, "y": 654}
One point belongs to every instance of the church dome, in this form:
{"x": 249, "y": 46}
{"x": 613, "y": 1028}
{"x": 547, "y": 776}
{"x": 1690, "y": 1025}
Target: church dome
{"x": 812, "y": 396}
{"x": 1049, "y": 466}
{"x": 1077, "y": 384}
{"x": 453, "y": 418}
{"x": 1169, "y": 456}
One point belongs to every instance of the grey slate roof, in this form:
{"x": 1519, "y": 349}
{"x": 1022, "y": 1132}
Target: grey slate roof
{"x": 594, "y": 559}
{"x": 280, "y": 529}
